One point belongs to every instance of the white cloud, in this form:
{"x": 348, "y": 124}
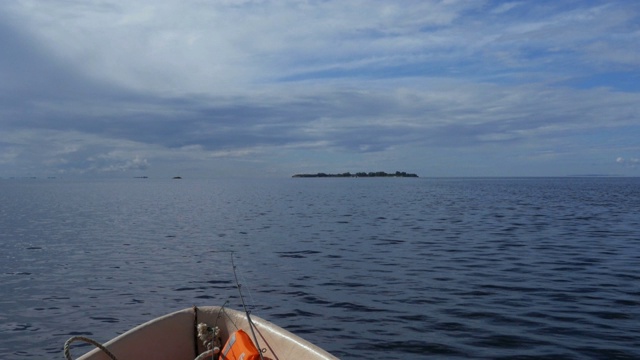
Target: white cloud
{"x": 629, "y": 163}
{"x": 118, "y": 162}
{"x": 119, "y": 86}
{"x": 507, "y": 6}
{"x": 217, "y": 47}
{"x": 228, "y": 47}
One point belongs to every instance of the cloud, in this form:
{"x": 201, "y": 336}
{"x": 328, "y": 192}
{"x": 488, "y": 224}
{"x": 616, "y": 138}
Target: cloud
{"x": 94, "y": 86}
{"x": 630, "y": 163}
{"x": 113, "y": 162}
{"x": 221, "y": 46}
{"x": 507, "y": 6}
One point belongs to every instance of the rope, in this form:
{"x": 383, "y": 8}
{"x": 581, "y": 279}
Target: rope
{"x": 205, "y": 355}
{"x": 67, "y": 350}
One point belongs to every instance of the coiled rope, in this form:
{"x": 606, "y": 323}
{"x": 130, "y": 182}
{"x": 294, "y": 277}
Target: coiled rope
{"x": 67, "y": 344}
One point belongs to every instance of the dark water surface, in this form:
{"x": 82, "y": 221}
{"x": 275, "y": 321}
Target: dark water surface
{"x": 365, "y": 268}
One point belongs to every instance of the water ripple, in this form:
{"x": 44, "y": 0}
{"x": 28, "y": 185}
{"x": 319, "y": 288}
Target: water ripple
{"x": 442, "y": 268}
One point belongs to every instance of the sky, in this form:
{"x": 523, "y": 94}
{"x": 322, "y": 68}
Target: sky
{"x": 256, "y": 88}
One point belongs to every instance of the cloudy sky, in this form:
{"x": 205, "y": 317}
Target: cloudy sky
{"x": 221, "y": 88}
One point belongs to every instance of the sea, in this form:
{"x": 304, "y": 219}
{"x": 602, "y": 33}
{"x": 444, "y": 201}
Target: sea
{"x": 384, "y": 268}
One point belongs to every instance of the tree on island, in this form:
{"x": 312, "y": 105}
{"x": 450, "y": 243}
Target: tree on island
{"x": 358, "y": 174}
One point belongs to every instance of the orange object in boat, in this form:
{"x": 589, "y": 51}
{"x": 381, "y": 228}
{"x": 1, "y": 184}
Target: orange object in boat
{"x": 239, "y": 347}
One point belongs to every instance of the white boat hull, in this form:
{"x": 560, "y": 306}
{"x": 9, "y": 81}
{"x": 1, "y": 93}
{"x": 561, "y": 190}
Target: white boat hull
{"x": 171, "y": 337}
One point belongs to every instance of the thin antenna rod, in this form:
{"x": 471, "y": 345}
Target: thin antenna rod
{"x": 244, "y": 306}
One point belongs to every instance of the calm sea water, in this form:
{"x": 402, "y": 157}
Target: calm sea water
{"x": 365, "y": 268}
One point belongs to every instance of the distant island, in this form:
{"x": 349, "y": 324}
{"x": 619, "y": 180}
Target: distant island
{"x": 358, "y": 174}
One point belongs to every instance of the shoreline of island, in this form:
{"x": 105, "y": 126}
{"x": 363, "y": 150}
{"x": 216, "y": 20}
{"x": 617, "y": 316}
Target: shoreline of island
{"x": 357, "y": 175}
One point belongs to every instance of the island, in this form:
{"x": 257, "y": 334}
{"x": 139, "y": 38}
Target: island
{"x": 358, "y": 174}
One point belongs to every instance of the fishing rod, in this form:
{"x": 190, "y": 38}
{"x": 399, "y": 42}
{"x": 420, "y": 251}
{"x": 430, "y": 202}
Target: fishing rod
{"x": 244, "y": 306}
